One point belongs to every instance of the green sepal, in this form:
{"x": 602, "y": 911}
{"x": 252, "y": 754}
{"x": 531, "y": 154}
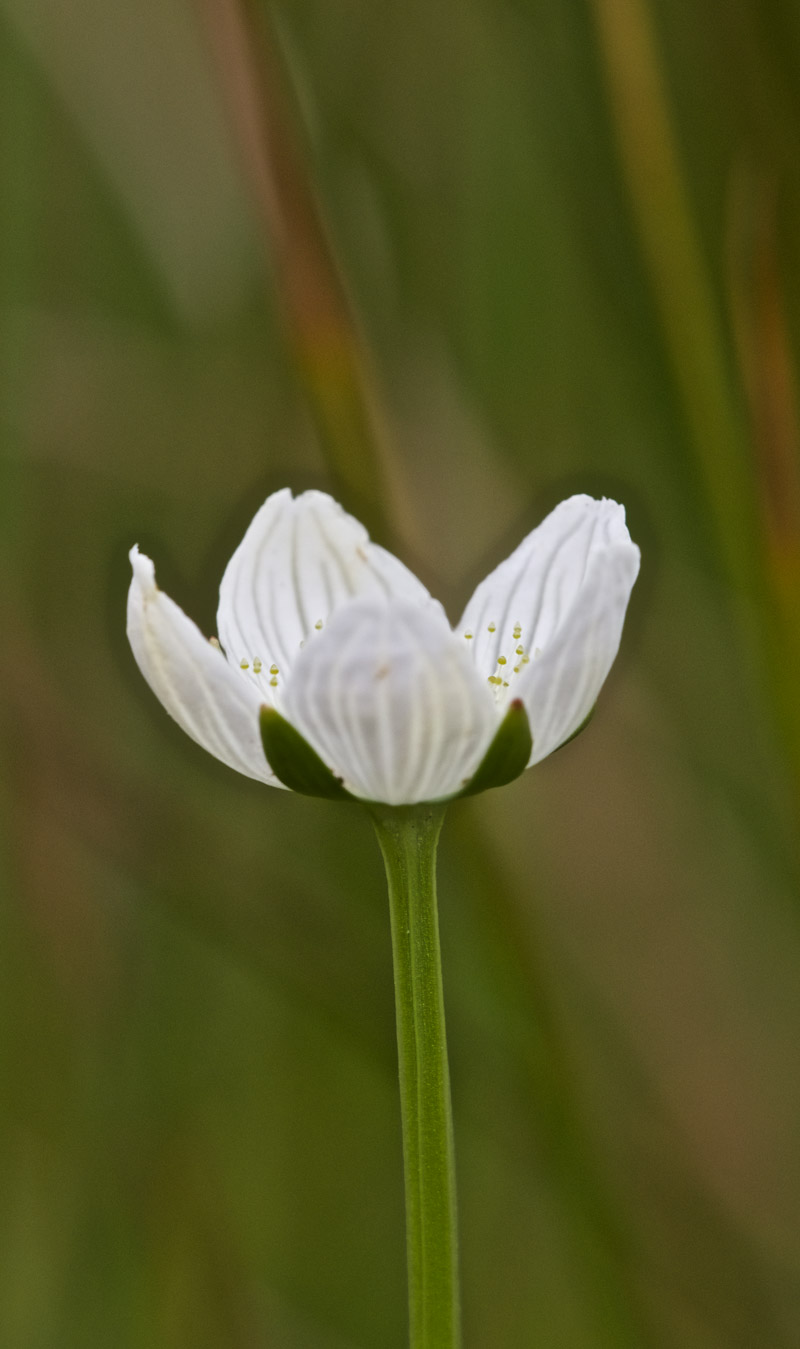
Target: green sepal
{"x": 577, "y": 731}
{"x": 292, "y": 759}
{"x": 507, "y": 756}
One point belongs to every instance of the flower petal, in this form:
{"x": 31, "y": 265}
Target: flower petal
{"x": 391, "y": 702}
{"x": 523, "y": 601}
{"x": 560, "y": 687}
{"x": 215, "y": 704}
{"x": 300, "y": 560}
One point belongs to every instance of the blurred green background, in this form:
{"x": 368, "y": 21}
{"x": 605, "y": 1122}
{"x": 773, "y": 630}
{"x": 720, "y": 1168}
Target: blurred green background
{"x": 567, "y": 234}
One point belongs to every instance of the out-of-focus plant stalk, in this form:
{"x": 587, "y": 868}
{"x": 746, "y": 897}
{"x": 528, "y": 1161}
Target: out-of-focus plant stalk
{"x": 763, "y": 346}
{"x": 681, "y": 285}
{"x": 758, "y": 535}
{"x": 321, "y": 331}
{"x": 21, "y": 179}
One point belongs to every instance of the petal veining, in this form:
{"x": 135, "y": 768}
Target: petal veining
{"x": 560, "y": 687}
{"x": 301, "y": 559}
{"x": 518, "y": 608}
{"x": 212, "y": 701}
{"x": 392, "y": 703}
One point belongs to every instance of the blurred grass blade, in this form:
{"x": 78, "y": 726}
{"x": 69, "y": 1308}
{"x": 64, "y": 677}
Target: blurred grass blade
{"x": 681, "y": 284}
{"x": 764, "y": 350}
{"x": 20, "y": 201}
{"x": 321, "y": 330}
{"x": 122, "y": 77}
{"x": 759, "y": 549}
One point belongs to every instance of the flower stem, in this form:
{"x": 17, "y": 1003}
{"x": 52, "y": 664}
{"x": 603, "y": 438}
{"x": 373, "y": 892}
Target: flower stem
{"x": 408, "y": 837}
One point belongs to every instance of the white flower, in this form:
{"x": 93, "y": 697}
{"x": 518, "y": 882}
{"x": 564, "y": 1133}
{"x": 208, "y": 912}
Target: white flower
{"x": 346, "y": 644}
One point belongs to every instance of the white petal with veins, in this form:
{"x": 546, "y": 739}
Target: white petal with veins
{"x": 212, "y": 701}
{"x": 530, "y": 592}
{"x": 560, "y": 687}
{"x": 301, "y": 559}
{"x": 391, "y": 702}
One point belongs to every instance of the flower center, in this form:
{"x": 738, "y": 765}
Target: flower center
{"x": 267, "y": 675}
{"x": 506, "y": 666}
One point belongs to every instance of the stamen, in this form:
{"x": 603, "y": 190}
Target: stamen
{"x": 256, "y": 665}
{"x": 495, "y": 679}
{"x": 520, "y": 651}
{"x": 274, "y": 681}
{"x": 501, "y": 660}
{"x": 517, "y": 631}
{"x": 244, "y": 664}
{"x": 273, "y": 669}
{"x": 318, "y": 624}
{"x": 468, "y": 636}
{"x": 492, "y": 628}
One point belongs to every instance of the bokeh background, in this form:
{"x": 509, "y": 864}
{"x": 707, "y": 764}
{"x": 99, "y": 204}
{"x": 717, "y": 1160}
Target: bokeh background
{"x": 452, "y": 262}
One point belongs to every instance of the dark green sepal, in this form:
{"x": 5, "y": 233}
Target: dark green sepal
{"x": 292, "y": 759}
{"x": 576, "y": 732}
{"x": 507, "y": 756}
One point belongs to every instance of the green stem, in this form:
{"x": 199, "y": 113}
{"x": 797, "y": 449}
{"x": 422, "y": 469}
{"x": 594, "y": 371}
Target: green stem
{"x": 408, "y": 836}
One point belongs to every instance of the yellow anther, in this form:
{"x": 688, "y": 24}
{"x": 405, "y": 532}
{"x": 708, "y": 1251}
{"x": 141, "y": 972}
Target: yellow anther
{"x": 495, "y": 679}
{"x": 526, "y": 660}
{"x": 273, "y": 669}
{"x": 468, "y": 636}
{"x": 501, "y": 660}
{"x": 520, "y": 651}
{"x": 244, "y": 664}
{"x": 517, "y": 632}
{"x": 274, "y": 681}
{"x": 516, "y": 669}
{"x": 318, "y": 624}
{"x": 256, "y": 665}
{"x": 505, "y": 683}
{"x": 492, "y": 628}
